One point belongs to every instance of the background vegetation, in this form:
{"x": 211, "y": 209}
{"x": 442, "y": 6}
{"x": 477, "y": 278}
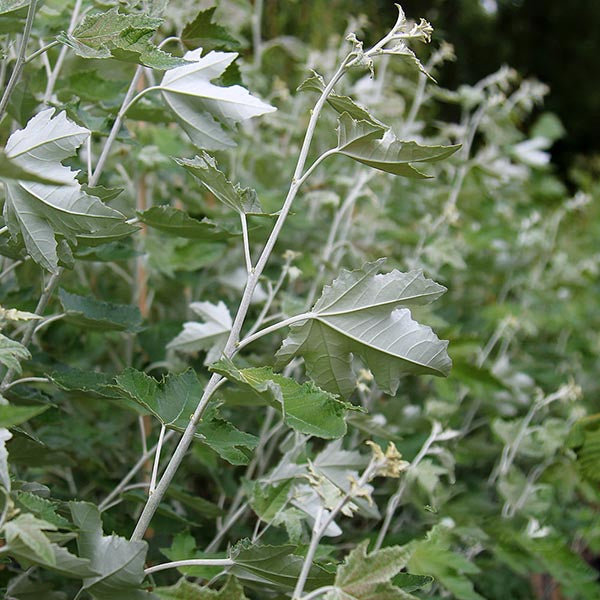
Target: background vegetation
{"x": 498, "y": 498}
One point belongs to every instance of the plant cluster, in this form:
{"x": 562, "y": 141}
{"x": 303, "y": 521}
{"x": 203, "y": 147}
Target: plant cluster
{"x": 228, "y": 376}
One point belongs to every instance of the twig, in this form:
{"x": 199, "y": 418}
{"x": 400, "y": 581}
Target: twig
{"x": 246, "y": 242}
{"x": 26, "y": 380}
{"x": 321, "y": 525}
{"x": 29, "y": 331}
{"x": 61, "y": 56}
{"x": 161, "y": 437}
{"x": 132, "y": 472}
{"x": 192, "y": 562}
{"x": 18, "y": 68}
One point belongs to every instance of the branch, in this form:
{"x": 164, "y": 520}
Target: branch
{"x": 234, "y": 335}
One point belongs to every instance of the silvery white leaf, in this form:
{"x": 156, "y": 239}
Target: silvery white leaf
{"x": 210, "y": 335}
{"x": 201, "y": 106}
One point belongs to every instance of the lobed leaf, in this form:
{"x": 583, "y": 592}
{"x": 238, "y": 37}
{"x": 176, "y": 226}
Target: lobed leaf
{"x": 200, "y": 106}
{"x": 124, "y": 37}
{"x": 96, "y": 314}
{"x": 205, "y": 169}
{"x": 363, "y": 313}
{"x": 305, "y": 407}
{"x": 174, "y": 401}
{"x": 178, "y": 223}
{"x": 210, "y": 335}
{"x": 376, "y": 147}
{"x": 203, "y": 33}
{"x": 38, "y": 213}
{"x": 119, "y": 563}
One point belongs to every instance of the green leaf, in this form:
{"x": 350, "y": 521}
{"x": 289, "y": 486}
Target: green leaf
{"x": 91, "y": 313}
{"x": 10, "y": 415}
{"x": 29, "y": 530}
{"x": 183, "y": 547}
{"x": 305, "y": 407}
{"x": 7, "y": 6}
{"x": 178, "y": 223}
{"x": 62, "y": 561}
{"x": 124, "y": 37}
{"x": 433, "y": 556}
{"x": 379, "y": 148}
{"x": 174, "y": 401}
{"x": 341, "y": 104}
{"x": 37, "y": 212}
{"x": 203, "y": 33}
{"x": 197, "y": 504}
{"x": 368, "y": 576}
{"x": 12, "y": 353}
{"x": 274, "y": 566}
{"x": 227, "y": 441}
{"x": 584, "y": 438}
{"x": 87, "y": 381}
{"x": 200, "y": 106}
{"x": 211, "y": 335}
{"x": 184, "y": 590}
{"x": 205, "y": 168}
{"x": 360, "y": 314}
{"x": 267, "y": 501}
{"x": 41, "y": 508}
{"x": 118, "y": 562}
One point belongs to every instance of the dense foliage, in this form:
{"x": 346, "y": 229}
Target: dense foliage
{"x": 214, "y": 385}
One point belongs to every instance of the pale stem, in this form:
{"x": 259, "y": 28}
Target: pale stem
{"x": 193, "y": 562}
{"x": 29, "y": 331}
{"x": 61, "y": 56}
{"x": 226, "y": 527}
{"x": 417, "y": 102}
{"x": 45, "y": 322}
{"x": 234, "y": 335}
{"x": 509, "y": 510}
{"x": 10, "y": 269}
{"x": 89, "y": 157}
{"x": 273, "y": 290}
{"x": 497, "y": 335}
{"x": 319, "y": 592}
{"x": 5, "y": 507}
{"x": 138, "y": 97}
{"x": 161, "y": 437}
{"x": 333, "y": 231}
{"x": 26, "y": 380}
{"x": 267, "y": 330}
{"x": 265, "y": 434}
{"x": 257, "y": 15}
{"x": 42, "y": 50}
{"x": 18, "y": 68}
{"x": 115, "y": 128}
{"x": 509, "y": 452}
{"x": 321, "y": 526}
{"x": 132, "y": 473}
{"x": 142, "y": 428}
{"x": 247, "y": 256}
{"x": 3, "y": 230}
{"x": 310, "y": 553}
{"x": 317, "y": 162}
{"x": 395, "y": 499}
